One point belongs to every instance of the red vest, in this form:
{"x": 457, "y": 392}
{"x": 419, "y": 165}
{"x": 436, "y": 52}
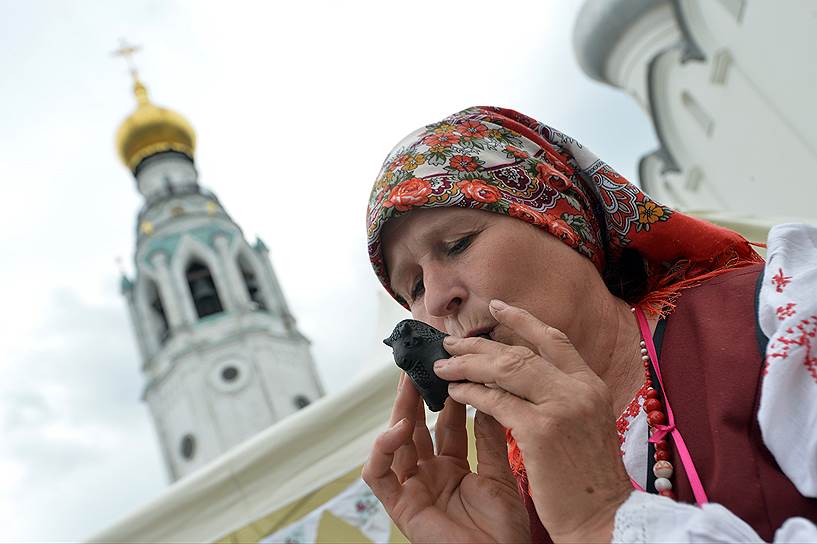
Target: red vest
{"x": 711, "y": 352}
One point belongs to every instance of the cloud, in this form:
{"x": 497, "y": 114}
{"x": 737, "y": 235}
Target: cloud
{"x": 71, "y": 421}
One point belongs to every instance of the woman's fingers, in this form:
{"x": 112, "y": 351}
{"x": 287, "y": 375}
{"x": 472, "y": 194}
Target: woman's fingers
{"x": 377, "y": 472}
{"x": 450, "y": 432}
{"x": 421, "y": 436}
{"x": 505, "y": 407}
{"x": 405, "y": 402}
{"x": 492, "y": 449}
{"x": 515, "y": 369}
{"x": 552, "y": 343}
{"x": 406, "y": 407}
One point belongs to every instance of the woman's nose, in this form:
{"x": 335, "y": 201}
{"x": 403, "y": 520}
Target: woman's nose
{"x": 444, "y": 294}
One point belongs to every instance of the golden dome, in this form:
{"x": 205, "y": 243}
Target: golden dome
{"x": 151, "y": 129}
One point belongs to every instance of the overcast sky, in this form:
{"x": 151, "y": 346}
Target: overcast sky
{"x": 295, "y": 105}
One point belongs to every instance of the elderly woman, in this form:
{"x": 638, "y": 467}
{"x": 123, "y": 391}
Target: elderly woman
{"x": 626, "y": 361}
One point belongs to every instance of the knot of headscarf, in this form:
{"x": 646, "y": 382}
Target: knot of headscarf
{"x": 501, "y": 161}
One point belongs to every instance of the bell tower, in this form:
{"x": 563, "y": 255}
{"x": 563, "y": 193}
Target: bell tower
{"x": 221, "y": 354}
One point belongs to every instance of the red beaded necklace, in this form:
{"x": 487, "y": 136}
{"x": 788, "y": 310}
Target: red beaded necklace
{"x": 655, "y": 416}
{"x": 661, "y": 422}
{"x": 653, "y": 408}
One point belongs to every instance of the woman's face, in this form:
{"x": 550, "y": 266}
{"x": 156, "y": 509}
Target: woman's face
{"x": 448, "y": 263}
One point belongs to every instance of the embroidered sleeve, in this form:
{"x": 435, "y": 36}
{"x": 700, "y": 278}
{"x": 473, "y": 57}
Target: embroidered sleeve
{"x": 647, "y": 518}
{"x": 788, "y": 317}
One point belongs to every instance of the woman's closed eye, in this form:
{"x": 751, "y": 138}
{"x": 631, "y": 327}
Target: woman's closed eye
{"x": 454, "y": 248}
{"x": 460, "y": 245}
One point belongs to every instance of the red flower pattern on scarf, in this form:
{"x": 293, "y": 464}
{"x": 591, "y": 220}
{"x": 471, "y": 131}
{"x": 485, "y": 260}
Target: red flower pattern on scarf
{"x": 480, "y": 191}
{"x": 560, "y": 230}
{"x": 463, "y": 163}
{"x": 472, "y": 129}
{"x": 552, "y": 176}
{"x": 410, "y": 193}
{"x": 446, "y": 139}
{"x": 526, "y": 214}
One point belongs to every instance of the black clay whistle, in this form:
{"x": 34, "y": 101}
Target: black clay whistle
{"x": 416, "y": 345}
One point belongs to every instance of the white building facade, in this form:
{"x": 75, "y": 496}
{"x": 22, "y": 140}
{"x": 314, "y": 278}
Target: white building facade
{"x": 730, "y": 87}
{"x": 221, "y": 354}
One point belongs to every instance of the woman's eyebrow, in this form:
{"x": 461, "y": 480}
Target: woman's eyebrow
{"x": 445, "y": 229}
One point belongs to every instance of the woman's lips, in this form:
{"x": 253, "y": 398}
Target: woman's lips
{"x": 482, "y": 332}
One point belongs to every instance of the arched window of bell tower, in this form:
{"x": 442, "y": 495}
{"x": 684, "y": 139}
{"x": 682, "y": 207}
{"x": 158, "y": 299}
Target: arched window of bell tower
{"x": 203, "y": 289}
{"x": 158, "y": 318}
{"x": 251, "y": 282}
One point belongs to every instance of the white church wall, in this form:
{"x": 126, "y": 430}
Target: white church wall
{"x": 187, "y": 383}
{"x": 729, "y": 133}
{"x": 283, "y": 366}
{"x": 239, "y": 407}
{"x": 773, "y": 44}
{"x": 179, "y": 411}
{"x": 731, "y": 99}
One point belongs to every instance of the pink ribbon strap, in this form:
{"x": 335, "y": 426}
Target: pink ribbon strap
{"x": 662, "y": 430}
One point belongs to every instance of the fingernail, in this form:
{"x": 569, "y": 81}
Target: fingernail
{"x": 450, "y": 340}
{"x": 438, "y": 365}
{"x": 497, "y": 305}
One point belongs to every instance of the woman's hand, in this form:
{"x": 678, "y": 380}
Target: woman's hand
{"x": 434, "y": 497}
{"x": 558, "y": 410}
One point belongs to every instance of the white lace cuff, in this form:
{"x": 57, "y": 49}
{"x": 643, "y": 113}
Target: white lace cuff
{"x": 651, "y": 518}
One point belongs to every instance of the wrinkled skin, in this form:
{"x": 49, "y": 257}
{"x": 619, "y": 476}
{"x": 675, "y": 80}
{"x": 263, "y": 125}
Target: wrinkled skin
{"x": 562, "y": 359}
{"x": 434, "y": 497}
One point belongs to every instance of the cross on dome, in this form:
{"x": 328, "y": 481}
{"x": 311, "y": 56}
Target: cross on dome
{"x": 126, "y": 51}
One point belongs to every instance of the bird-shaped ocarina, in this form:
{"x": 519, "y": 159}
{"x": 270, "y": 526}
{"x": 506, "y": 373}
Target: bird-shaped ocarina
{"x": 416, "y": 346}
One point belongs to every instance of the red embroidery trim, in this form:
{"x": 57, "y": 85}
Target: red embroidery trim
{"x": 801, "y": 335}
{"x": 786, "y": 311}
{"x": 629, "y": 413}
{"x": 780, "y": 281}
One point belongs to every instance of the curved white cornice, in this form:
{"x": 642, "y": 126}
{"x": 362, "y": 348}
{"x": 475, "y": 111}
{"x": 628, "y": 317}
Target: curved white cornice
{"x": 601, "y": 24}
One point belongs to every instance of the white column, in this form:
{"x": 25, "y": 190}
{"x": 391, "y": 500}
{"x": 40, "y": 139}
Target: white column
{"x": 279, "y": 303}
{"x": 172, "y": 300}
{"x": 236, "y": 290}
{"x": 137, "y": 324}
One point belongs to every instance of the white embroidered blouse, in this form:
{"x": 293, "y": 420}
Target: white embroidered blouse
{"x": 787, "y": 414}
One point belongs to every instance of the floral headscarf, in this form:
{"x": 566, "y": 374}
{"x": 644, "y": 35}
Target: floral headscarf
{"x": 501, "y": 161}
